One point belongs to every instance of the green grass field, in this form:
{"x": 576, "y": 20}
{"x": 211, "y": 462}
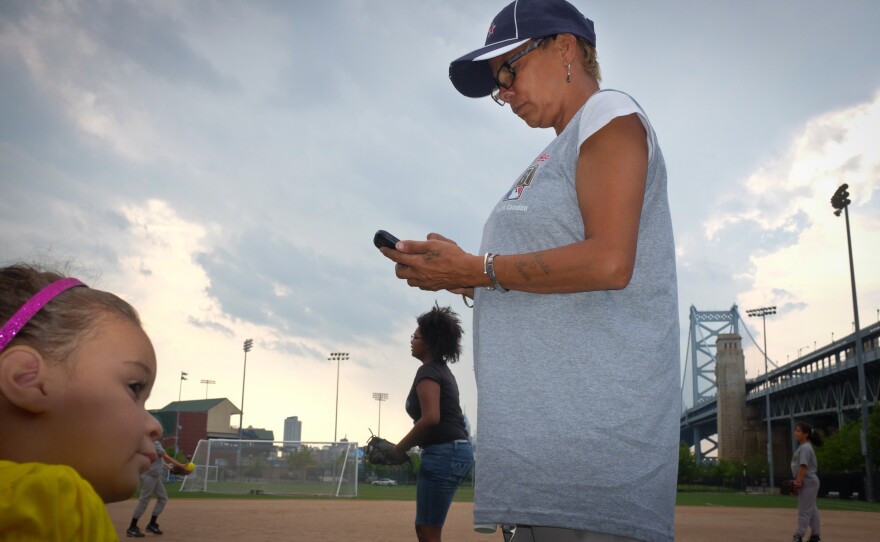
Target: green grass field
{"x": 768, "y": 501}
{"x": 466, "y": 494}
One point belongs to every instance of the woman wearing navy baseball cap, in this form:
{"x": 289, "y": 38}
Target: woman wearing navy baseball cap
{"x": 575, "y": 297}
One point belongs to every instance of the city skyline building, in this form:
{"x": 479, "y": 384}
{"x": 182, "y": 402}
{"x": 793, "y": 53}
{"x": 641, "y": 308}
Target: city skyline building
{"x": 292, "y": 429}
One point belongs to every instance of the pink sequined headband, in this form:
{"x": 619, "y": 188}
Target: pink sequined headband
{"x": 33, "y": 305}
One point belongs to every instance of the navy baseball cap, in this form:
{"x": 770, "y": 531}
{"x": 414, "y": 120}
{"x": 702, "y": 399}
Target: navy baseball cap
{"x": 514, "y": 25}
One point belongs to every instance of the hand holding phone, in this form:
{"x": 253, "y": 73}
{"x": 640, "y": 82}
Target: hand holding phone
{"x": 384, "y": 239}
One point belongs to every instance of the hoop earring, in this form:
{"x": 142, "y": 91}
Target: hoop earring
{"x": 568, "y": 74}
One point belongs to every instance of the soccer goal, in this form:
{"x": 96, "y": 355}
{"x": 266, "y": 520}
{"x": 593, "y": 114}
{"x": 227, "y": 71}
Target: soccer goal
{"x": 261, "y": 467}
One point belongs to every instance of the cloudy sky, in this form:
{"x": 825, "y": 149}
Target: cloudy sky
{"x": 223, "y": 166}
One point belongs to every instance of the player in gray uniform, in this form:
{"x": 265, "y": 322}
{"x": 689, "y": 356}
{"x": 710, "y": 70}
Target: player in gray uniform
{"x": 806, "y": 482}
{"x": 151, "y": 484}
{"x": 576, "y": 322}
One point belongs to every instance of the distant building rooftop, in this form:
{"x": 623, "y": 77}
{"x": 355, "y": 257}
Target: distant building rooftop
{"x": 199, "y": 405}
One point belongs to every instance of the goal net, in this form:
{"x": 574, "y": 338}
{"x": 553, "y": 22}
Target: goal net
{"x": 260, "y": 467}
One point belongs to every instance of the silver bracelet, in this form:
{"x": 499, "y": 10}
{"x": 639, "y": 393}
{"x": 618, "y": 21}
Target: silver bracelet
{"x": 486, "y": 268}
{"x": 490, "y": 270}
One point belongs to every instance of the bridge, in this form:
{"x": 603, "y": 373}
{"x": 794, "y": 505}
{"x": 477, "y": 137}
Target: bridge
{"x": 820, "y": 387}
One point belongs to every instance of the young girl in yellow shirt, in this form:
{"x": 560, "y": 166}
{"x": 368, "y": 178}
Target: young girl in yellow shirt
{"x": 76, "y": 368}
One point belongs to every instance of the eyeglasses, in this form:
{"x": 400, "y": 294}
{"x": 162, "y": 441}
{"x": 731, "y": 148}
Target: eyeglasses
{"x": 506, "y": 74}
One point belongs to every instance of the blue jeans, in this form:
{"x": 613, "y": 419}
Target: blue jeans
{"x": 442, "y": 470}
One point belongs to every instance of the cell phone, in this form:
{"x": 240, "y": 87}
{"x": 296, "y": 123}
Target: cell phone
{"x": 384, "y": 239}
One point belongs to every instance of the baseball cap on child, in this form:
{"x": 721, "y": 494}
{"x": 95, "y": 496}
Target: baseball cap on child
{"x": 514, "y": 25}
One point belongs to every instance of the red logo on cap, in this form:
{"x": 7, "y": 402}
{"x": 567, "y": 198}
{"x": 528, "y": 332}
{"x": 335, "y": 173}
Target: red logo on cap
{"x": 491, "y": 28}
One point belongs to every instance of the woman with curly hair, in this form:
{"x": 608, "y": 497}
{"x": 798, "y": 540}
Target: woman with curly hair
{"x": 439, "y": 426}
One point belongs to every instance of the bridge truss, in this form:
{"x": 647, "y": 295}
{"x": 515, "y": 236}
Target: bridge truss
{"x": 705, "y": 326}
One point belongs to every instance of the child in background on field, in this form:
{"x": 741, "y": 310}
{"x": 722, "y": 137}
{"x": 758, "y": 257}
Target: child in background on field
{"x": 806, "y": 482}
{"x": 151, "y": 484}
{"x": 75, "y": 371}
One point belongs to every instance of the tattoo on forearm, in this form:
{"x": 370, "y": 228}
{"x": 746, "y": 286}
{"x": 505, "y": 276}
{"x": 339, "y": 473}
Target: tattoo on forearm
{"x": 544, "y": 267}
{"x": 523, "y": 272}
{"x": 526, "y": 269}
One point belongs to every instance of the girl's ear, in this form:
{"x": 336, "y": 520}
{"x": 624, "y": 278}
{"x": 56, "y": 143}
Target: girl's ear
{"x": 23, "y": 375}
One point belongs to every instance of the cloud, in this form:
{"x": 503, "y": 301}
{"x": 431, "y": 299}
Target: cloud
{"x": 809, "y": 280}
{"x": 772, "y": 238}
{"x": 225, "y": 164}
{"x": 782, "y": 201}
{"x": 267, "y": 279}
{"x": 214, "y": 326}
{"x": 144, "y": 37}
{"x": 103, "y": 64}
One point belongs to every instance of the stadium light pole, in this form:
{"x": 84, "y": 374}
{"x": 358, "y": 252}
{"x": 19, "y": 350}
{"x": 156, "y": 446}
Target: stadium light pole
{"x": 248, "y": 344}
{"x": 206, "y": 382}
{"x": 337, "y": 357}
{"x": 183, "y": 376}
{"x": 763, "y": 312}
{"x": 380, "y": 397}
{"x": 840, "y": 201}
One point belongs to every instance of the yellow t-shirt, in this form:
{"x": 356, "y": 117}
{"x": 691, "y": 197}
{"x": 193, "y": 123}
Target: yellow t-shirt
{"x": 50, "y": 502}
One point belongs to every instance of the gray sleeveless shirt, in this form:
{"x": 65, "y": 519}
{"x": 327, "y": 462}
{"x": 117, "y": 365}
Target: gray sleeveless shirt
{"x": 578, "y": 394}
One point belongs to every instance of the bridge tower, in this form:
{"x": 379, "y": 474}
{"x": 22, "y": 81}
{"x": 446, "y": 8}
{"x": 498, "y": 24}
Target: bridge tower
{"x": 730, "y": 379}
{"x": 705, "y": 328}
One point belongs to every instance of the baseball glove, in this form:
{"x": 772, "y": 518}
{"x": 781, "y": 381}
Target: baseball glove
{"x": 379, "y": 451}
{"x": 180, "y": 471}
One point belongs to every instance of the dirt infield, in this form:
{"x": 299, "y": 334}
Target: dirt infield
{"x": 208, "y": 520}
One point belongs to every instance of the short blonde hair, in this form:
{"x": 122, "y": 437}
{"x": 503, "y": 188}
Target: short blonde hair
{"x": 591, "y": 58}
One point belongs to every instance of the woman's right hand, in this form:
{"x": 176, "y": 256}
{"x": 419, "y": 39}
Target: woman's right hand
{"x": 435, "y": 264}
